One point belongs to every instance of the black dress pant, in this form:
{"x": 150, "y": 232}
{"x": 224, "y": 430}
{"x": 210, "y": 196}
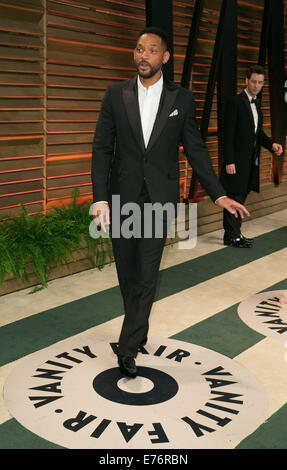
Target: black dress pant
{"x": 137, "y": 261}
{"x": 232, "y": 224}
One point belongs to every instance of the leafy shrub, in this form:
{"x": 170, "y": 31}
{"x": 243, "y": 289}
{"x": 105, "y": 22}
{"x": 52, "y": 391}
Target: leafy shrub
{"x": 48, "y": 240}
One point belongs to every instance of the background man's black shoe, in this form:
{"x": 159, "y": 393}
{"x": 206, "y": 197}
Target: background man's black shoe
{"x": 237, "y": 242}
{"x": 250, "y": 240}
{"x": 127, "y": 366}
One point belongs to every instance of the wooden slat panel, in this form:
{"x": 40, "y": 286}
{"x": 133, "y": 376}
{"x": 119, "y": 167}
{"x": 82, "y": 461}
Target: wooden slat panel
{"x": 18, "y": 79}
{"x": 18, "y": 116}
{"x": 72, "y": 116}
{"x": 30, "y": 42}
{"x": 70, "y": 167}
{"x": 21, "y": 92}
{"x": 72, "y": 53}
{"x": 109, "y": 14}
{"x": 20, "y": 148}
{"x": 22, "y": 53}
{"x": 65, "y": 193}
{"x": 15, "y": 210}
{"x": 83, "y": 138}
{"x": 90, "y": 72}
{"x": 74, "y": 94}
{"x": 19, "y": 21}
{"x": 20, "y": 175}
{"x": 128, "y": 6}
{"x": 70, "y": 127}
{"x": 18, "y": 27}
{"x": 84, "y": 83}
{"x": 21, "y": 187}
{"x": 100, "y": 28}
{"x": 9, "y": 130}
{"x": 13, "y": 104}
{"x": 72, "y": 105}
{"x": 74, "y": 180}
{"x": 34, "y": 5}
{"x": 69, "y": 149}
{"x": 25, "y": 198}
{"x": 13, "y": 164}
{"x": 20, "y": 67}
{"x": 22, "y": 108}
{"x": 117, "y": 40}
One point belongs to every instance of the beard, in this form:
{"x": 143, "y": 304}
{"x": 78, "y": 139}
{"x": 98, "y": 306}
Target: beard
{"x": 149, "y": 72}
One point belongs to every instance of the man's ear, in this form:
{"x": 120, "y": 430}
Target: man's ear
{"x": 166, "y": 57}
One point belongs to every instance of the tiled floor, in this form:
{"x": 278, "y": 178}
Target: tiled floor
{"x": 185, "y": 308}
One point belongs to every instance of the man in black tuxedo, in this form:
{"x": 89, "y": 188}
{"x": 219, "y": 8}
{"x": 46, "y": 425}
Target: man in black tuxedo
{"x": 135, "y": 156}
{"x": 243, "y": 136}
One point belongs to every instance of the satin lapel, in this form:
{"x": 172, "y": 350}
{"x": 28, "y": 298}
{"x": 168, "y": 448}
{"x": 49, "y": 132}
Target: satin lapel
{"x": 247, "y": 104}
{"x": 260, "y": 117}
{"x": 130, "y": 99}
{"x": 165, "y": 106}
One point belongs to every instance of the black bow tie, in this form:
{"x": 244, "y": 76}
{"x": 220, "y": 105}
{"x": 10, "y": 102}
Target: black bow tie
{"x": 253, "y": 100}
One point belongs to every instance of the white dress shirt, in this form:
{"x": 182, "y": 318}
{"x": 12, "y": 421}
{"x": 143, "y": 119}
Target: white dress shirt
{"x": 253, "y": 109}
{"x": 255, "y": 117}
{"x": 148, "y": 104}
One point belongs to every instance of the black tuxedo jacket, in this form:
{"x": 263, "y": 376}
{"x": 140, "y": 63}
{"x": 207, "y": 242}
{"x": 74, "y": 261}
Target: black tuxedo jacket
{"x": 121, "y": 163}
{"x": 241, "y": 145}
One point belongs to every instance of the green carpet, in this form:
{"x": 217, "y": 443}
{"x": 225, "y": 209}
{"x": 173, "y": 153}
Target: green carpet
{"x": 224, "y": 332}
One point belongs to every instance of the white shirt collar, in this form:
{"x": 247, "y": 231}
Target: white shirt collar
{"x": 155, "y": 88}
{"x": 249, "y": 97}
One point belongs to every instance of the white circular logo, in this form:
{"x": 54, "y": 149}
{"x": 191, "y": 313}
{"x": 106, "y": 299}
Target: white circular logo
{"x": 184, "y": 397}
{"x": 263, "y": 313}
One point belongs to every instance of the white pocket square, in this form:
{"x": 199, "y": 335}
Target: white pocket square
{"x": 174, "y": 113}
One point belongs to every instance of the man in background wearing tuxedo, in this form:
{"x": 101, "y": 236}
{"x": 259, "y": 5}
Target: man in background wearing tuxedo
{"x": 243, "y": 136}
{"x": 135, "y": 156}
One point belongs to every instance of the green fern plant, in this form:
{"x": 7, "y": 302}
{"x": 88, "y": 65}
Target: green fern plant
{"x": 48, "y": 240}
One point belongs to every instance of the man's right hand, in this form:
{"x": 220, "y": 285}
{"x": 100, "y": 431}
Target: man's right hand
{"x": 230, "y": 169}
{"x": 101, "y": 214}
{"x": 232, "y": 206}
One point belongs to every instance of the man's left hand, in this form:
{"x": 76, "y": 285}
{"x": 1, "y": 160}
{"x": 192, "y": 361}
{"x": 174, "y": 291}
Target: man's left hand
{"x": 277, "y": 149}
{"x": 233, "y": 207}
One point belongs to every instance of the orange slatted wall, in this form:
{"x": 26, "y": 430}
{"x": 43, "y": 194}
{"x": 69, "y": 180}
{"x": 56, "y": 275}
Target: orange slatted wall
{"x": 56, "y": 60}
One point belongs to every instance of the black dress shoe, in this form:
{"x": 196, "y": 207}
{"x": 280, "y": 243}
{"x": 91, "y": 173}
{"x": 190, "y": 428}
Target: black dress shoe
{"x": 250, "y": 240}
{"x": 127, "y": 366}
{"x": 237, "y": 242}
{"x": 142, "y": 345}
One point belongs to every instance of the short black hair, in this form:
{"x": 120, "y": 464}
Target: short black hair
{"x": 254, "y": 69}
{"x": 158, "y": 32}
